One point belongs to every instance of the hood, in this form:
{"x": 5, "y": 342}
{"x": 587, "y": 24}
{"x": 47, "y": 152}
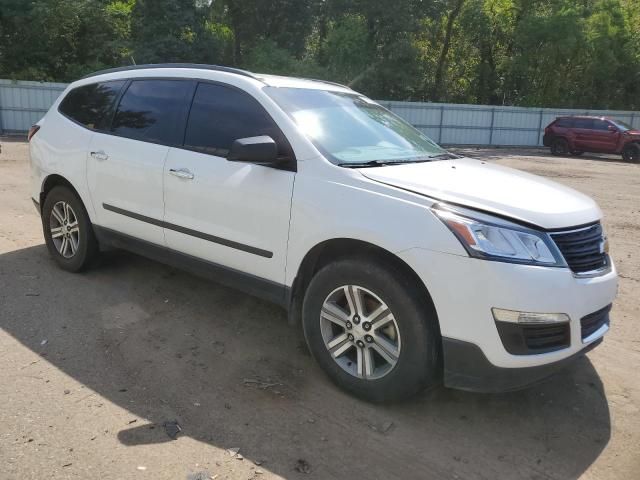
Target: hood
{"x": 492, "y": 188}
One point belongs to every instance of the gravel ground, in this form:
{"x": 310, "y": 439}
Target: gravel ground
{"x": 93, "y": 365}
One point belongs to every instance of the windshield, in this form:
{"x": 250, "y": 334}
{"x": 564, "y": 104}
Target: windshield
{"x": 622, "y": 125}
{"x": 349, "y": 128}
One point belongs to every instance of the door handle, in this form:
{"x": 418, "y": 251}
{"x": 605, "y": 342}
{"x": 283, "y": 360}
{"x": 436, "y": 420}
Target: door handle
{"x": 181, "y": 173}
{"x": 100, "y": 155}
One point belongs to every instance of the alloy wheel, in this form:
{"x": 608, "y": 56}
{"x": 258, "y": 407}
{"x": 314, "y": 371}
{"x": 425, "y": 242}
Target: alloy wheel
{"x": 360, "y": 332}
{"x": 64, "y": 228}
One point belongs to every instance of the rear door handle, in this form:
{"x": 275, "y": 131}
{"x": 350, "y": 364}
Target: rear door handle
{"x": 100, "y": 155}
{"x": 181, "y": 173}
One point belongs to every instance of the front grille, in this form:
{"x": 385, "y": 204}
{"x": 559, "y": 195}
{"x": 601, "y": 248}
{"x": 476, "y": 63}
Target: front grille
{"x": 583, "y": 249}
{"x": 592, "y": 322}
{"x": 522, "y": 339}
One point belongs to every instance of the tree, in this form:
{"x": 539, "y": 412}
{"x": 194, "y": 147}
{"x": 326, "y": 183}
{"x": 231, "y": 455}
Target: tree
{"x": 558, "y": 53}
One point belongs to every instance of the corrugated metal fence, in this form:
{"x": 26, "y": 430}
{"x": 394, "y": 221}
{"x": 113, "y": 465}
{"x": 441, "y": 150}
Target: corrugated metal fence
{"x": 24, "y": 103}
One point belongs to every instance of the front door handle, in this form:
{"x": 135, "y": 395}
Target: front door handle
{"x": 181, "y": 173}
{"x": 100, "y": 155}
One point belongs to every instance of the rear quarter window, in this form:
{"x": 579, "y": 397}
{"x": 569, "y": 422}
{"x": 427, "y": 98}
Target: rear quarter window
{"x": 564, "y": 123}
{"x": 92, "y": 105}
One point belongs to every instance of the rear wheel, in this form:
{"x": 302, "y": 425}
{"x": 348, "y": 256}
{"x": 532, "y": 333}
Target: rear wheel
{"x": 67, "y": 230}
{"x": 371, "y": 330}
{"x": 559, "y": 147}
{"x": 631, "y": 153}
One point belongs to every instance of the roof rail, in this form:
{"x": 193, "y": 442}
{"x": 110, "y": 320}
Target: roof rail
{"x": 200, "y": 66}
{"x": 328, "y": 82}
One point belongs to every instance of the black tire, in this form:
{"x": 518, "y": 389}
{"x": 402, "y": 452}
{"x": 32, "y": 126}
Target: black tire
{"x": 85, "y": 240}
{"x": 576, "y": 153}
{"x": 418, "y": 363}
{"x": 559, "y": 147}
{"x": 631, "y": 153}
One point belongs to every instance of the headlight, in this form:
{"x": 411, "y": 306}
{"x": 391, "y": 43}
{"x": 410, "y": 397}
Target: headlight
{"x": 491, "y": 238}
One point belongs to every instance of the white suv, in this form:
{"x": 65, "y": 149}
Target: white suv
{"x": 406, "y": 265}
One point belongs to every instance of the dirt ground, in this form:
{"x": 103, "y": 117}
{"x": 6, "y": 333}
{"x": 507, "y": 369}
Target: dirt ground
{"x": 92, "y": 365}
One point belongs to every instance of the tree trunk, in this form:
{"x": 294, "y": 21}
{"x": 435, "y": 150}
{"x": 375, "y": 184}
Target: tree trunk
{"x": 235, "y": 15}
{"x": 444, "y": 53}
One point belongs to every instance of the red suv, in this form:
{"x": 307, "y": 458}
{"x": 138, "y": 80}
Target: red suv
{"x": 576, "y": 135}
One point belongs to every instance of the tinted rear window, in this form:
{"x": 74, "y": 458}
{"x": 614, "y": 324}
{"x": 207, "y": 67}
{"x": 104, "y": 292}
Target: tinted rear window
{"x": 220, "y": 115}
{"x": 153, "y": 111}
{"x": 92, "y": 105}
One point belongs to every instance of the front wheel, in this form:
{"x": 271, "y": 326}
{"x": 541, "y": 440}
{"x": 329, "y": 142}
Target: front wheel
{"x": 372, "y": 330}
{"x": 631, "y": 153}
{"x": 68, "y": 232}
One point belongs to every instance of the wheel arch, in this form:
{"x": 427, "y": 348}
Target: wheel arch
{"x": 330, "y": 250}
{"x": 52, "y": 181}
{"x": 630, "y": 144}
{"x": 564, "y": 137}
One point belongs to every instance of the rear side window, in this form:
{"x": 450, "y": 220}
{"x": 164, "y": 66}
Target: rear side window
{"x": 585, "y": 123}
{"x": 153, "y": 111}
{"x": 92, "y": 105}
{"x": 220, "y": 115}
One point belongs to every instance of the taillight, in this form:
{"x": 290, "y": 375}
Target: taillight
{"x": 32, "y": 131}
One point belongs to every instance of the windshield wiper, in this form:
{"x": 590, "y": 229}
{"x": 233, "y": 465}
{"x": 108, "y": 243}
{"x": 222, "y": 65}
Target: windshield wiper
{"x": 445, "y": 156}
{"x": 380, "y": 163}
{"x": 371, "y": 163}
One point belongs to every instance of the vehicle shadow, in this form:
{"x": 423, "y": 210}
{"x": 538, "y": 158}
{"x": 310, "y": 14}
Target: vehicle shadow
{"x": 169, "y": 346}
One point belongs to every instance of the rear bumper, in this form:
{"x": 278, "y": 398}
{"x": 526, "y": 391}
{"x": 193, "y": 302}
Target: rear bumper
{"x": 546, "y": 140}
{"x": 467, "y": 368}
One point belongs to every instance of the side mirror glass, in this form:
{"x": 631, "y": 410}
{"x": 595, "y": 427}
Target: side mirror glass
{"x": 261, "y": 150}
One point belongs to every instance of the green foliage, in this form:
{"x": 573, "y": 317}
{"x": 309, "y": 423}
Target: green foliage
{"x": 559, "y": 53}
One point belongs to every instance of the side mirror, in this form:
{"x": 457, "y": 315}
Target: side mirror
{"x": 612, "y": 128}
{"x": 261, "y": 150}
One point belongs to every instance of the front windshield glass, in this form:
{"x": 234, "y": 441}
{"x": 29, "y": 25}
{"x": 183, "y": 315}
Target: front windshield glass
{"x": 622, "y": 125}
{"x": 349, "y": 128}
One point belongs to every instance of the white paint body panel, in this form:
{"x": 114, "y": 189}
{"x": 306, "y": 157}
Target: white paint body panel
{"x": 240, "y": 202}
{"x": 465, "y": 289}
{"x": 131, "y": 179}
{"x": 493, "y": 188}
{"x": 290, "y": 213}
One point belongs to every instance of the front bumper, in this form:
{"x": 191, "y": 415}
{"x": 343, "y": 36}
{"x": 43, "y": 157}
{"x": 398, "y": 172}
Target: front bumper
{"x": 464, "y": 290}
{"x": 467, "y": 368}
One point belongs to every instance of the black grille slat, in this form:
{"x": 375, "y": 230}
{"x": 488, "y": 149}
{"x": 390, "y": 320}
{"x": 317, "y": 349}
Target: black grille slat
{"x": 528, "y": 339}
{"x": 569, "y": 238}
{"x": 545, "y": 337}
{"x": 594, "y": 321}
{"x": 581, "y": 248}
